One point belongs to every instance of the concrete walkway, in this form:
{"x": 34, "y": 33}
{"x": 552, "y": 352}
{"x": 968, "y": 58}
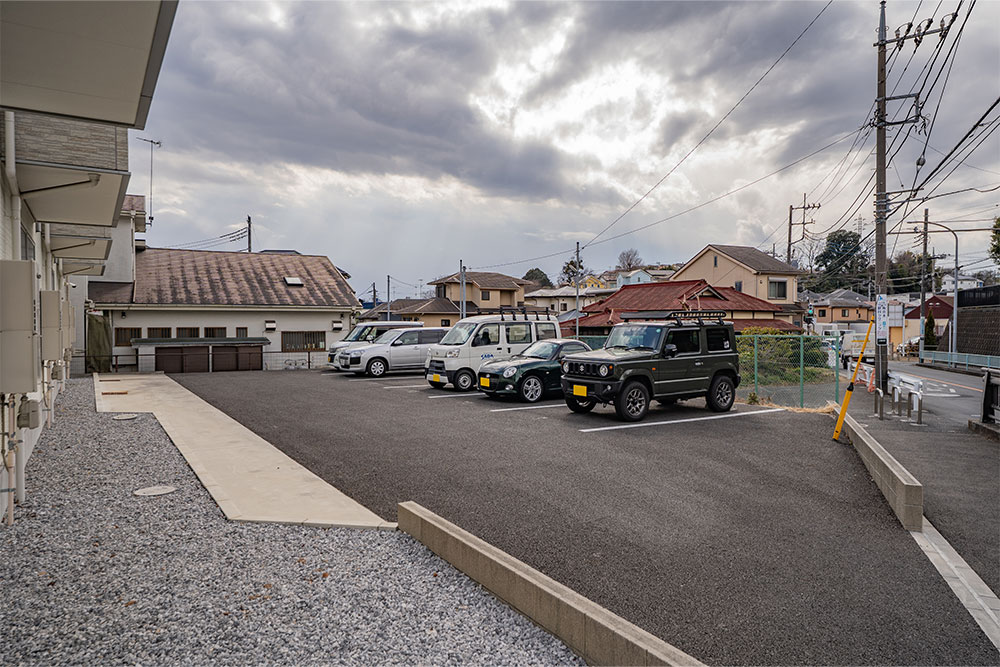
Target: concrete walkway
{"x": 249, "y": 478}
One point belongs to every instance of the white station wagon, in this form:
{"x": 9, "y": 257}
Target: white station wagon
{"x": 395, "y": 350}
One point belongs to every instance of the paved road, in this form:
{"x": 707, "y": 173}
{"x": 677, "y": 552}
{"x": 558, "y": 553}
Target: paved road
{"x": 747, "y": 539}
{"x": 952, "y": 397}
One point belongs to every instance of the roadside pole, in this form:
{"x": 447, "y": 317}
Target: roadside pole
{"x": 461, "y": 291}
{"x": 923, "y": 295}
{"x": 577, "y": 276}
{"x": 388, "y": 300}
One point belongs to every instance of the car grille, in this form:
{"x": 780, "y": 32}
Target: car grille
{"x": 583, "y": 368}
{"x": 437, "y": 365}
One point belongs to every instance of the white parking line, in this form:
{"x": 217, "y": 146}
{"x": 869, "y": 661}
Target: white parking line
{"x": 383, "y": 379}
{"x": 678, "y": 421}
{"x": 530, "y": 407}
{"x": 408, "y": 386}
{"x": 472, "y": 395}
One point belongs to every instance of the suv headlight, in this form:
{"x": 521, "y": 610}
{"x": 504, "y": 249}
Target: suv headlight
{"x": 451, "y": 354}
{"x": 509, "y": 371}
{"x": 604, "y": 370}
{"x": 565, "y": 367}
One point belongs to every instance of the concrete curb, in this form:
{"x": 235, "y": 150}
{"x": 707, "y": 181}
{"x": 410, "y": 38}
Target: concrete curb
{"x": 903, "y": 492}
{"x": 593, "y": 632}
{"x": 991, "y": 431}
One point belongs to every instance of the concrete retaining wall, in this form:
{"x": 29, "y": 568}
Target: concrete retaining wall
{"x": 901, "y": 489}
{"x": 600, "y": 637}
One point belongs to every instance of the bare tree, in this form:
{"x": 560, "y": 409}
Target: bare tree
{"x": 628, "y": 260}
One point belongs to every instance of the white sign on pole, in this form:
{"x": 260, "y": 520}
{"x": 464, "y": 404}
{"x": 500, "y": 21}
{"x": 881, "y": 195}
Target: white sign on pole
{"x": 882, "y": 320}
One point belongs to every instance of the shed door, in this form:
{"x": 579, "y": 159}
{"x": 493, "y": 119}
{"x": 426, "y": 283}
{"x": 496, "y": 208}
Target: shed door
{"x": 170, "y": 359}
{"x": 251, "y": 358}
{"x": 224, "y": 358}
{"x": 195, "y": 359}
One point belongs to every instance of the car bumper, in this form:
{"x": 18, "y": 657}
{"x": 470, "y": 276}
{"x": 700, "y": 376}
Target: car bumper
{"x": 495, "y": 384}
{"x": 604, "y": 391}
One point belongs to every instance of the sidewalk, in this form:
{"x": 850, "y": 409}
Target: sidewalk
{"x": 249, "y": 478}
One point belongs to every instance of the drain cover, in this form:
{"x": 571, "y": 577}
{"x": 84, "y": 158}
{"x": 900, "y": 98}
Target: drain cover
{"x": 121, "y": 418}
{"x": 155, "y": 491}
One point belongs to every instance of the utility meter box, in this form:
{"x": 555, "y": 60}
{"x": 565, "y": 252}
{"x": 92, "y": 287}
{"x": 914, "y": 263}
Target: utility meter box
{"x": 29, "y": 415}
{"x": 19, "y": 353}
{"x": 52, "y": 338}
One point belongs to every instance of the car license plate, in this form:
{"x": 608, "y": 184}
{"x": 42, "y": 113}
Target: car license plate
{"x": 484, "y": 382}
{"x": 579, "y": 390}
{"x": 436, "y": 377}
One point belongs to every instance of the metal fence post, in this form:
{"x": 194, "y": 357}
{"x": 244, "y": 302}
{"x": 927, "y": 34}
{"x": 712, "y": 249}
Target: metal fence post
{"x": 802, "y": 371}
{"x": 755, "y": 388}
{"x": 309, "y": 359}
{"x": 836, "y": 372}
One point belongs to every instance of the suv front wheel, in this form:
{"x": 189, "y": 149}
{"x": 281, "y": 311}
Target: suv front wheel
{"x": 721, "y": 394}
{"x": 632, "y": 402}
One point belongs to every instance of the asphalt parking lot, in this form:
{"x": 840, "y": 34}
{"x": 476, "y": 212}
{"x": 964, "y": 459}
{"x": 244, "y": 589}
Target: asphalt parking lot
{"x": 744, "y": 538}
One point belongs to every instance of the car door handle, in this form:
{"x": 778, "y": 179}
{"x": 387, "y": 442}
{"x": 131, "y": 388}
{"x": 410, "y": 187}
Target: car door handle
{"x": 699, "y": 363}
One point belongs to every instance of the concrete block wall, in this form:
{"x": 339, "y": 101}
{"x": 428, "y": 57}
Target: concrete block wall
{"x": 979, "y": 330}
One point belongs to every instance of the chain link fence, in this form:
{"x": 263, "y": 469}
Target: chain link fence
{"x": 789, "y": 370}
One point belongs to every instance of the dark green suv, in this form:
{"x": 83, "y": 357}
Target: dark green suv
{"x": 688, "y": 354}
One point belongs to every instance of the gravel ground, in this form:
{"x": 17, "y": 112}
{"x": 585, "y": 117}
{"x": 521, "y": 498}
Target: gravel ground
{"x": 91, "y": 573}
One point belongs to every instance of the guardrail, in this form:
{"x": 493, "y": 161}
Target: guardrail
{"x": 900, "y": 387}
{"x": 991, "y": 396}
{"x": 964, "y": 360}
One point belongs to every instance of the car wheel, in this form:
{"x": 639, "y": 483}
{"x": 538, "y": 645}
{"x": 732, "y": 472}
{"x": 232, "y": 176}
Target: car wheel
{"x": 531, "y": 389}
{"x": 376, "y": 368}
{"x": 721, "y": 394}
{"x": 464, "y": 380}
{"x": 437, "y": 385}
{"x": 576, "y": 405}
{"x": 632, "y": 402}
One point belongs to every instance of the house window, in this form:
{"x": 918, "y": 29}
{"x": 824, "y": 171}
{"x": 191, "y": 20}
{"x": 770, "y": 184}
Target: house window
{"x": 188, "y": 332}
{"x": 777, "y": 289}
{"x": 27, "y": 245}
{"x": 158, "y": 332}
{"x": 562, "y": 306}
{"x": 445, "y": 322}
{"x": 844, "y": 312}
{"x": 124, "y": 335}
{"x": 302, "y": 341}
{"x": 822, "y": 312}
{"x": 738, "y": 286}
{"x": 241, "y": 332}
{"x": 441, "y": 292}
{"x": 485, "y": 295}
{"x": 715, "y": 260}
{"x": 215, "y": 332}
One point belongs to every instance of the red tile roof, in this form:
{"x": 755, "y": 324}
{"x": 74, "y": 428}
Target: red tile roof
{"x": 939, "y": 305}
{"x": 680, "y": 295}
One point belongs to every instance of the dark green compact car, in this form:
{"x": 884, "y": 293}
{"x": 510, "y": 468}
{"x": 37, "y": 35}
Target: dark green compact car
{"x": 532, "y": 373}
{"x": 687, "y": 355}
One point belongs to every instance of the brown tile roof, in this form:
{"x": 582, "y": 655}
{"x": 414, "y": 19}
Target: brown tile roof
{"x": 108, "y": 292}
{"x": 485, "y": 280}
{"x": 203, "y": 277}
{"x": 755, "y": 259}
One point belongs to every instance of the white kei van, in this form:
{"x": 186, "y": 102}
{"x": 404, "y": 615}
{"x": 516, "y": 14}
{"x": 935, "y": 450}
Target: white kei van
{"x": 481, "y": 338}
{"x": 364, "y": 334}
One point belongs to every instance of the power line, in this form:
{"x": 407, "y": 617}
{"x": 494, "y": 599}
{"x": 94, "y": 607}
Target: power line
{"x": 711, "y": 131}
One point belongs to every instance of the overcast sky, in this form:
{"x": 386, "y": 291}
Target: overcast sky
{"x": 397, "y": 138}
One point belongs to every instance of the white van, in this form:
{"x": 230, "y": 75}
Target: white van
{"x": 395, "y": 350}
{"x": 481, "y": 338}
{"x": 364, "y": 334}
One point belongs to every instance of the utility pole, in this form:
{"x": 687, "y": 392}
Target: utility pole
{"x": 577, "y": 276}
{"x": 461, "y": 291}
{"x": 881, "y": 200}
{"x": 803, "y": 208}
{"x": 374, "y": 296}
{"x": 249, "y": 235}
{"x": 388, "y": 300}
{"x": 923, "y": 292}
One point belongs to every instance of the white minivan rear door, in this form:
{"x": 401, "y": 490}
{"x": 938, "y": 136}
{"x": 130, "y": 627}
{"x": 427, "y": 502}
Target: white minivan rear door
{"x": 519, "y": 336}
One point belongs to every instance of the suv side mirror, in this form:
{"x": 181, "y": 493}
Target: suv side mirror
{"x": 398, "y": 341}
{"x": 669, "y": 350}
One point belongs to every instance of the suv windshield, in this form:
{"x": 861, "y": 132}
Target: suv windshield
{"x": 360, "y": 332}
{"x": 459, "y": 333}
{"x": 387, "y": 337}
{"x": 634, "y": 337}
{"x": 540, "y": 350}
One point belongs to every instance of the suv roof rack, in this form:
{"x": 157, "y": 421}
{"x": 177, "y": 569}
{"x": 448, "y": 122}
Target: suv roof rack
{"x": 678, "y": 316}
